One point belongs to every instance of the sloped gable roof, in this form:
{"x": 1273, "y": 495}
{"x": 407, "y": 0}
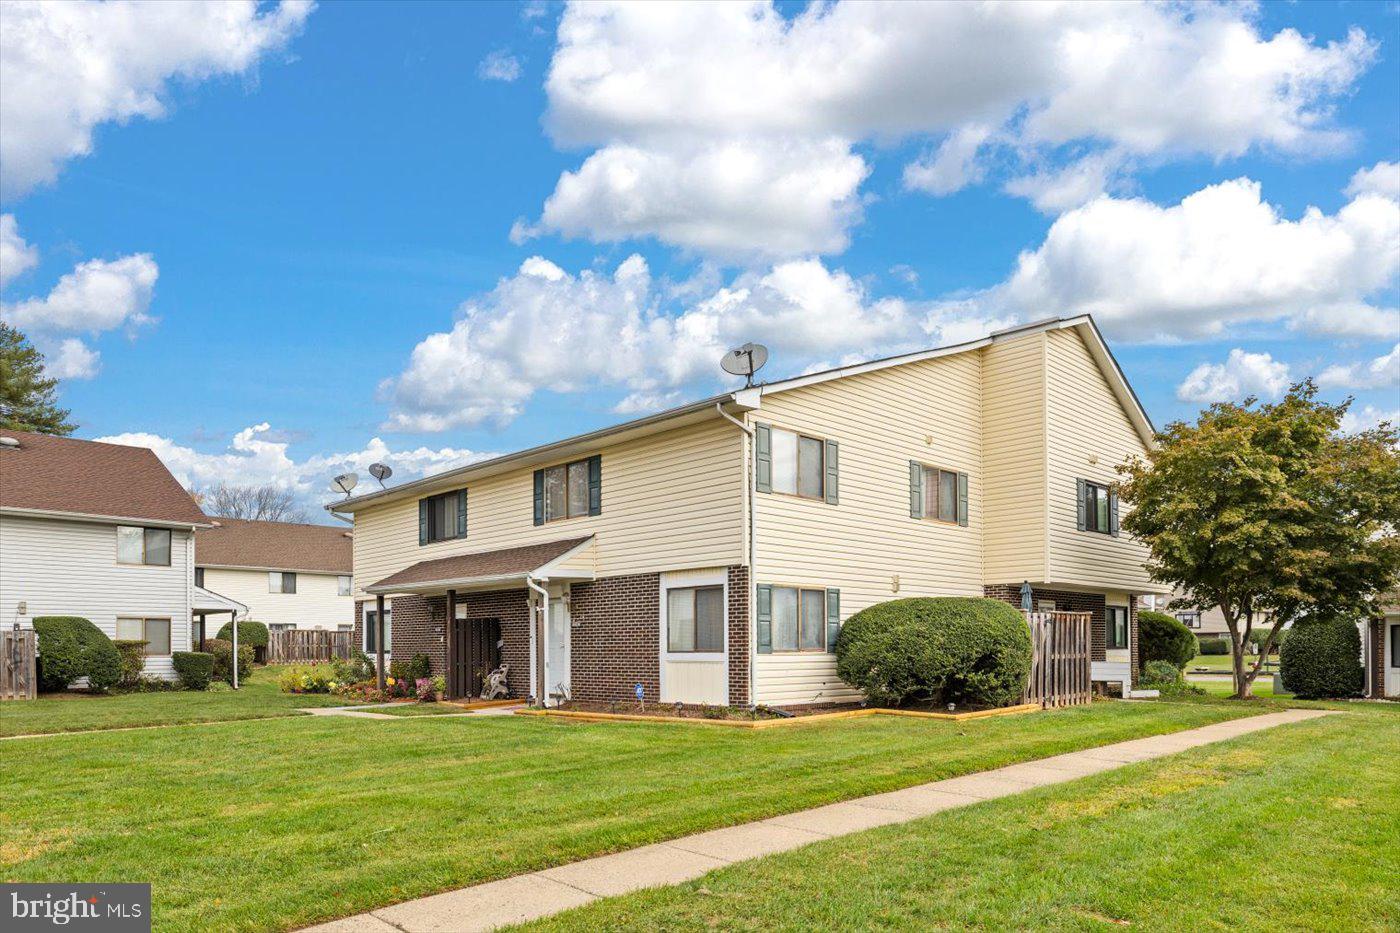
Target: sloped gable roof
{"x": 237, "y": 542}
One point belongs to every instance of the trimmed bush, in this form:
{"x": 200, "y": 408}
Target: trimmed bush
{"x": 195, "y": 668}
{"x": 938, "y": 650}
{"x": 250, "y": 633}
{"x": 71, "y": 647}
{"x": 1164, "y": 638}
{"x": 223, "y": 659}
{"x": 1158, "y": 673}
{"x": 1322, "y": 660}
{"x": 1214, "y": 646}
{"x": 420, "y": 668}
{"x": 132, "y": 654}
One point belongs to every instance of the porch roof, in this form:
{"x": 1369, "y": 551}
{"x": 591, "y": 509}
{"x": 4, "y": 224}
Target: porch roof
{"x": 488, "y": 568}
{"x": 207, "y": 601}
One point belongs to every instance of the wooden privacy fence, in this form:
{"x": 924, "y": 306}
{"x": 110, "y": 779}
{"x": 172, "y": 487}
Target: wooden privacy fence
{"x": 1060, "y": 663}
{"x": 307, "y": 645}
{"x": 18, "y": 679}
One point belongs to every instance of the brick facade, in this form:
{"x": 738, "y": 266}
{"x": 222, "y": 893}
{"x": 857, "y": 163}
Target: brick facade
{"x": 1074, "y": 601}
{"x": 738, "y": 636}
{"x": 616, "y": 638}
{"x": 1376, "y": 663}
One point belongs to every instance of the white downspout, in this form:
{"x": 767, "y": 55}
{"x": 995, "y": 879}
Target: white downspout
{"x": 753, "y": 547}
{"x": 537, "y": 655}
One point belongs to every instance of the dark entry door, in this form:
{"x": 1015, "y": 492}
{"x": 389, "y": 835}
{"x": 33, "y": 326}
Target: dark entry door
{"x": 477, "y": 652}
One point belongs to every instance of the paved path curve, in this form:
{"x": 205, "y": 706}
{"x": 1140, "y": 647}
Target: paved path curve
{"x": 542, "y": 893}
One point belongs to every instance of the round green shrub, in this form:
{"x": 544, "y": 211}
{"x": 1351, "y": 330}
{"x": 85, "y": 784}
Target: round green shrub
{"x": 1214, "y": 646}
{"x": 938, "y": 650}
{"x": 251, "y": 634}
{"x": 1322, "y": 660}
{"x": 71, "y": 647}
{"x": 195, "y": 668}
{"x": 1160, "y": 673}
{"x": 223, "y": 659}
{"x": 132, "y": 653}
{"x": 1164, "y": 638}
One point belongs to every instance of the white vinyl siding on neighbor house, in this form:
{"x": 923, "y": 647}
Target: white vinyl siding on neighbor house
{"x": 65, "y": 567}
{"x": 316, "y": 604}
{"x": 930, "y": 412}
{"x": 668, "y": 500}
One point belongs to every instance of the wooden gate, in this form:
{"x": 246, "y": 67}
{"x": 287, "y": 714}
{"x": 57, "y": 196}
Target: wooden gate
{"x": 297, "y": 645}
{"x": 18, "y": 679}
{"x": 1060, "y": 664}
{"x": 476, "y": 653}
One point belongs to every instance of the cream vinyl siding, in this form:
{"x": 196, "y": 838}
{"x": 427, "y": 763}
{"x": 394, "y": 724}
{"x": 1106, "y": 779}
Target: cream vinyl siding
{"x": 1087, "y": 424}
{"x": 1014, "y": 445}
{"x": 669, "y": 501}
{"x": 314, "y": 604}
{"x": 69, "y": 568}
{"x": 929, "y": 411}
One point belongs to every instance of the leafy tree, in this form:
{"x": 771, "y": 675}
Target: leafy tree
{"x": 1271, "y": 514}
{"x": 26, "y": 395}
{"x": 259, "y": 503}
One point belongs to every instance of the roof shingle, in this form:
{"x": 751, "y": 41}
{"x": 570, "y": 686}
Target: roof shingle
{"x": 237, "y": 542}
{"x": 505, "y": 562}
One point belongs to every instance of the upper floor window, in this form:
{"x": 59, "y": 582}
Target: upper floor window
{"x": 792, "y": 619}
{"x": 795, "y": 464}
{"x": 442, "y": 517}
{"x": 1189, "y": 619}
{"x": 342, "y": 585}
{"x": 569, "y": 490}
{"x": 1098, "y": 507}
{"x": 149, "y": 546}
{"x": 199, "y": 576}
{"x": 937, "y": 494}
{"x": 281, "y": 582}
{"x": 1117, "y": 627}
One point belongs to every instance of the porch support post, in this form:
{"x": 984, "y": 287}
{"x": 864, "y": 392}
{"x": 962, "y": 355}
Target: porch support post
{"x": 455, "y": 688}
{"x": 379, "y": 638}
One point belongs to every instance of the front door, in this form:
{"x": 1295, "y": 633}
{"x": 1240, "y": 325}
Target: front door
{"x": 1392, "y": 661}
{"x": 560, "y": 650}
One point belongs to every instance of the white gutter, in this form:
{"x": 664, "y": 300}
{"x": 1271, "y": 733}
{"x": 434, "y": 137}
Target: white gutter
{"x": 753, "y": 583}
{"x": 536, "y": 654}
{"x": 172, "y": 524}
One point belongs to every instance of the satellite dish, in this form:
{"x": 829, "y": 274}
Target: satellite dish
{"x": 345, "y": 482}
{"x": 745, "y": 361}
{"x": 381, "y": 472}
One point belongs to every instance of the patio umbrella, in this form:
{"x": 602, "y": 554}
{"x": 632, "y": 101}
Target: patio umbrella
{"x": 1026, "y": 596}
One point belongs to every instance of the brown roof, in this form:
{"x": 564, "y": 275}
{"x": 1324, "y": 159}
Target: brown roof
{"x": 237, "y": 542}
{"x": 63, "y": 474}
{"x": 503, "y": 563}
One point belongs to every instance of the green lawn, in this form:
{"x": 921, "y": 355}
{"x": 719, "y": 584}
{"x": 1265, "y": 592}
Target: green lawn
{"x": 415, "y": 709}
{"x": 76, "y": 712}
{"x": 1225, "y": 664}
{"x": 268, "y": 825}
{"x": 1282, "y": 830}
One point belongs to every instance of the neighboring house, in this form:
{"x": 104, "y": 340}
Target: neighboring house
{"x": 288, "y": 575}
{"x": 100, "y": 531}
{"x": 1204, "y": 623}
{"x": 1380, "y": 641}
{"x": 710, "y": 553}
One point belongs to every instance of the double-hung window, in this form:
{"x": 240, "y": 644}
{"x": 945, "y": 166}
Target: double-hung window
{"x": 1117, "y": 620}
{"x": 442, "y": 517}
{"x": 154, "y": 632}
{"x": 795, "y": 464}
{"x": 199, "y": 576}
{"x": 149, "y": 546}
{"x": 281, "y": 582}
{"x": 1098, "y": 507}
{"x": 569, "y": 490}
{"x": 797, "y": 619}
{"x": 695, "y": 620}
{"x": 342, "y": 585}
{"x": 937, "y": 494}
{"x": 1189, "y": 619}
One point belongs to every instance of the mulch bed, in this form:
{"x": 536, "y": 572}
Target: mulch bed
{"x": 697, "y": 711}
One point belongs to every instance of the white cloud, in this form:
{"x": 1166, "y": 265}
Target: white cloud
{"x": 1382, "y": 179}
{"x": 255, "y": 456}
{"x": 1381, "y": 373}
{"x": 499, "y": 65}
{"x": 675, "y": 81}
{"x": 1368, "y": 417}
{"x": 1221, "y": 258}
{"x": 1059, "y": 189}
{"x": 96, "y": 296}
{"x": 66, "y": 68}
{"x": 1242, "y": 374}
{"x": 546, "y": 328}
{"x": 70, "y": 359}
{"x": 16, "y": 256}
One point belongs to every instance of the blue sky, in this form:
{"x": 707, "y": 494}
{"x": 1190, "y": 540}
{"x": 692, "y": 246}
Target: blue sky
{"x": 385, "y": 231}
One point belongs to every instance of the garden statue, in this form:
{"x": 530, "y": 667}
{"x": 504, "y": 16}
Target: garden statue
{"x": 494, "y": 684}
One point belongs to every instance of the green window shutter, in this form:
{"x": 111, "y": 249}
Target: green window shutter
{"x": 595, "y": 484}
{"x": 461, "y": 513}
{"x": 833, "y": 618}
{"x": 539, "y": 497}
{"x": 833, "y": 459}
{"x": 962, "y": 499}
{"x": 764, "y": 594}
{"x": 763, "y": 458}
{"x": 916, "y": 489}
{"x": 1081, "y": 494}
{"x": 1113, "y": 512}
{"x": 422, "y": 522}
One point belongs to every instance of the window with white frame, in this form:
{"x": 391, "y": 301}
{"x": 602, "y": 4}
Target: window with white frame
{"x": 1117, "y": 627}
{"x": 1189, "y": 619}
{"x": 342, "y": 585}
{"x": 154, "y": 632}
{"x": 149, "y": 546}
{"x": 695, "y": 620}
{"x": 279, "y": 581}
{"x": 799, "y": 464}
{"x": 372, "y": 629}
{"x": 799, "y": 619}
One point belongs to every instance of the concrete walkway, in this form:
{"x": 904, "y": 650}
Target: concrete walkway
{"x": 542, "y": 893}
{"x": 365, "y": 711}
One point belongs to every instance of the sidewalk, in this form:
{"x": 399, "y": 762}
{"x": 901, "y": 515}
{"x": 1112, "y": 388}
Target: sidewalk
{"x": 542, "y": 893}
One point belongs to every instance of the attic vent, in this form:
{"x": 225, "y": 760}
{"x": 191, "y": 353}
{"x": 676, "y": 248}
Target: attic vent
{"x": 9, "y": 443}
